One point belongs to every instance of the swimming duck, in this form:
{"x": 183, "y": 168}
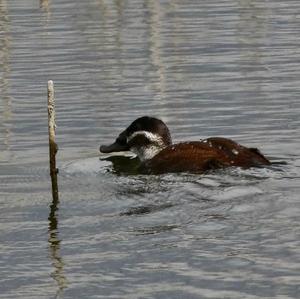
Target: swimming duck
{"x": 150, "y": 139}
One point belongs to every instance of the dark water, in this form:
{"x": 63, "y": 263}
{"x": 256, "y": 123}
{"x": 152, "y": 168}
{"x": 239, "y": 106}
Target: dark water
{"x": 207, "y": 68}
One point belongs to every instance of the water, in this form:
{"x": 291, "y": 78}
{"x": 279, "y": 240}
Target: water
{"x": 207, "y": 68}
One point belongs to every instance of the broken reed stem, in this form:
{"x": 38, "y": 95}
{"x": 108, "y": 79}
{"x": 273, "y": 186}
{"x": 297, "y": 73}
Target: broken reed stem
{"x": 52, "y": 144}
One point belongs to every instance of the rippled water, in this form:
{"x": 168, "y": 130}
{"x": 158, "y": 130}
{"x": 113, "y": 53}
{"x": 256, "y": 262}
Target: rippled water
{"x": 207, "y": 68}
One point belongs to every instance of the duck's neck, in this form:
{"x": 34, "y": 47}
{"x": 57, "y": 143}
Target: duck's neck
{"x": 145, "y": 153}
{"x": 146, "y": 145}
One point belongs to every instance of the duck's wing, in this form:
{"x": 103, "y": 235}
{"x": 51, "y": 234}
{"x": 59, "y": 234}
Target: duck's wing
{"x": 240, "y": 155}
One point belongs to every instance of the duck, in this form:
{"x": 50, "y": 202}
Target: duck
{"x": 150, "y": 139}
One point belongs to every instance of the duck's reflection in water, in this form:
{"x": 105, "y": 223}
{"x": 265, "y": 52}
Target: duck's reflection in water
{"x": 123, "y": 165}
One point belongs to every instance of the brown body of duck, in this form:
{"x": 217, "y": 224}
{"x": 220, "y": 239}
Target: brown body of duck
{"x": 150, "y": 139}
{"x": 200, "y": 156}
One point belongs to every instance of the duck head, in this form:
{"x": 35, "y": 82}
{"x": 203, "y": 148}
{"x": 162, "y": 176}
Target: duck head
{"x": 145, "y": 137}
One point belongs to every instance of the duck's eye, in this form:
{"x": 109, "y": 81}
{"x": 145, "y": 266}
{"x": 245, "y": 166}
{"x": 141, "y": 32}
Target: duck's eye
{"x": 139, "y": 140}
{"x": 122, "y": 140}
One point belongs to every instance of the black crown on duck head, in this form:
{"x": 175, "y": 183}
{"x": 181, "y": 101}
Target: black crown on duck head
{"x": 143, "y": 131}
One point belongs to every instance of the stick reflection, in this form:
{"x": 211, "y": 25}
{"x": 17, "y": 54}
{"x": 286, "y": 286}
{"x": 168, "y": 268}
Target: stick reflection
{"x": 54, "y": 248}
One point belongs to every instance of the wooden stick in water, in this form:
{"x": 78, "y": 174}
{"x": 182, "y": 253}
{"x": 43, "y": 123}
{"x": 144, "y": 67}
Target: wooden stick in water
{"x": 52, "y": 144}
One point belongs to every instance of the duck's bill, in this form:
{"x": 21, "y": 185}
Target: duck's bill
{"x": 114, "y": 147}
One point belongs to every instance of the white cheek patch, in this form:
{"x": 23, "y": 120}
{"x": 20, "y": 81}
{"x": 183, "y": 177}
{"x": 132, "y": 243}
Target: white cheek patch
{"x": 147, "y": 152}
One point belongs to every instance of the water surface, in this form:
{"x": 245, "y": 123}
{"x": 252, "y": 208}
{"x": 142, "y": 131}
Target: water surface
{"x": 207, "y": 68}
